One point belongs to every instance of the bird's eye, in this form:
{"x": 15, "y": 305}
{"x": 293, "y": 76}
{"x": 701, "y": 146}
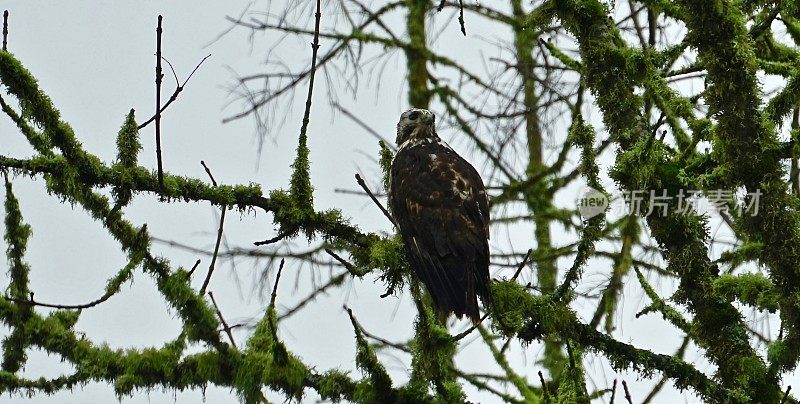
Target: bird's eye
{"x": 413, "y": 116}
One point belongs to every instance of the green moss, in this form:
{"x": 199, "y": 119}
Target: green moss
{"x": 21, "y": 83}
{"x": 777, "y": 352}
{"x": 639, "y": 166}
{"x": 615, "y": 75}
{"x": 334, "y": 385}
{"x": 782, "y": 103}
{"x": 582, "y": 136}
{"x": 748, "y": 251}
{"x": 16, "y": 236}
{"x": 667, "y": 312}
{"x": 562, "y": 57}
{"x": 541, "y": 16}
{"x": 753, "y": 289}
{"x": 515, "y": 306}
{"x": 128, "y": 148}
{"x": 201, "y": 322}
{"x": 386, "y": 157}
{"x": 432, "y": 358}
{"x": 419, "y": 95}
{"x": 72, "y": 177}
{"x": 572, "y": 388}
{"x": 128, "y": 144}
{"x": 389, "y": 256}
{"x": 300, "y": 185}
{"x": 380, "y": 384}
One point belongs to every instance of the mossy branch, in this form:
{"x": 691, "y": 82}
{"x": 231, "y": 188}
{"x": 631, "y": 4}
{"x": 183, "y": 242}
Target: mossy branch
{"x": 753, "y": 289}
{"x": 728, "y": 52}
{"x": 72, "y": 176}
{"x": 367, "y": 360}
{"x": 533, "y": 317}
{"x": 128, "y": 148}
{"x": 16, "y": 235}
{"x": 582, "y": 136}
{"x": 658, "y": 304}
{"x": 519, "y": 382}
{"x": 615, "y": 72}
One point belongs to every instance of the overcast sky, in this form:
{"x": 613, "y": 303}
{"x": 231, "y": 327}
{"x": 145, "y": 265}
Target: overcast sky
{"x": 95, "y": 60}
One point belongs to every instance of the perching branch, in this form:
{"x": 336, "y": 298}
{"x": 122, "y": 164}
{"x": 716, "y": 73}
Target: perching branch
{"x": 374, "y": 199}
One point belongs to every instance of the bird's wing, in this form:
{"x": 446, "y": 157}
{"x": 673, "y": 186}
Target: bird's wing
{"x": 440, "y": 204}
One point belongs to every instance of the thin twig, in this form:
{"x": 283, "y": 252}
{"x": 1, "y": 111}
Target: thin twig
{"x": 354, "y": 192}
{"x": 460, "y": 336}
{"x": 545, "y": 392}
{"x": 350, "y": 267}
{"x": 174, "y": 74}
{"x": 374, "y": 199}
{"x": 786, "y": 395}
{"x": 208, "y": 171}
{"x": 460, "y": 14}
{"x": 159, "y": 76}
{"x": 5, "y": 30}
{"x": 613, "y": 391}
{"x": 216, "y": 250}
{"x": 336, "y": 280}
{"x": 277, "y": 279}
{"x": 175, "y": 93}
{"x": 627, "y": 393}
{"x": 353, "y": 320}
{"x": 107, "y": 295}
{"x": 238, "y": 325}
{"x": 277, "y": 238}
{"x": 522, "y": 264}
{"x": 360, "y": 330}
{"x": 219, "y": 235}
{"x": 225, "y": 325}
{"x": 314, "y": 48}
{"x": 32, "y": 302}
{"x": 759, "y": 28}
{"x": 196, "y": 264}
{"x": 299, "y": 77}
{"x": 461, "y": 17}
{"x": 366, "y": 127}
{"x": 506, "y": 345}
{"x": 657, "y": 388}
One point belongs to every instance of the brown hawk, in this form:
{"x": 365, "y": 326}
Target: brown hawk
{"x": 439, "y": 203}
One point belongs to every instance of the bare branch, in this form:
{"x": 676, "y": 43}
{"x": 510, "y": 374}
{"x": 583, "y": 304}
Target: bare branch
{"x": 159, "y": 76}
{"x": 225, "y": 325}
{"x": 223, "y": 210}
{"x": 374, "y": 199}
{"x": 175, "y": 93}
{"x": 5, "y": 30}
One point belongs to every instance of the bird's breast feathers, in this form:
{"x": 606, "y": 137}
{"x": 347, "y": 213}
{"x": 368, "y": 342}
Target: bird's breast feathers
{"x": 433, "y": 168}
{"x": 430, "y": 177}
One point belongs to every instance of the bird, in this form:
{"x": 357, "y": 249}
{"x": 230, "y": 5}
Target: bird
{"x": 441, "y": 209}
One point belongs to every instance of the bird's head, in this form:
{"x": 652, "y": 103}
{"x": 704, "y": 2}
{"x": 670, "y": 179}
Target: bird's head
{"x": 415, "y": 125}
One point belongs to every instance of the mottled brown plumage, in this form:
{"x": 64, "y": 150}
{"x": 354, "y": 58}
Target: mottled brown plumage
{"x": 439, "y": 202}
